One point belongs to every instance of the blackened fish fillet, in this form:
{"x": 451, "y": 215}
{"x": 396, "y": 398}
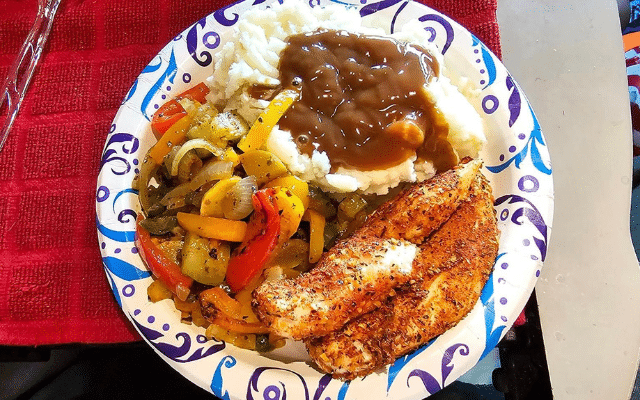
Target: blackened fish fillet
{"x": 456, "y": 262}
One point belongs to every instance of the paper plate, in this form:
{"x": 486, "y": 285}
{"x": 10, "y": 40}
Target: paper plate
{"x": 516, "y": 161}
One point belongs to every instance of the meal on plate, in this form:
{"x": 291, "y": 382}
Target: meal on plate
{"x": 322, "y": 185}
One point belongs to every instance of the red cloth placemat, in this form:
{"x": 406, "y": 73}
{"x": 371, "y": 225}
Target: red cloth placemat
{"x": 52, "y": 286}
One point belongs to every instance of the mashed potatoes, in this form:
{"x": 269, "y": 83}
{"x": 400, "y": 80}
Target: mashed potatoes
{"x": 251, "y": 58}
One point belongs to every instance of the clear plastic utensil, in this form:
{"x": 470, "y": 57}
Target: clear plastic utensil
{"x": 20, "y": 73}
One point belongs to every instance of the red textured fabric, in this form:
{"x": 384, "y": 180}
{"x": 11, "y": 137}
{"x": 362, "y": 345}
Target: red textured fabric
{"x": 52, "y": 285}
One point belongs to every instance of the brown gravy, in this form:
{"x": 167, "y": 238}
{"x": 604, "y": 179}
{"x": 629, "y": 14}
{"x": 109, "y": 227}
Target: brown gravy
{"x": 354, "y": 91}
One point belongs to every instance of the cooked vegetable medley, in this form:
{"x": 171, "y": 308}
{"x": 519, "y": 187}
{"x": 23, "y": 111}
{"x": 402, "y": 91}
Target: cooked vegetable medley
{"x": 222, "y": 215}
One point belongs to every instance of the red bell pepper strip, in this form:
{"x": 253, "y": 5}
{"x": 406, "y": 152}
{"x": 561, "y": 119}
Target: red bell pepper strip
{"x": 167, "y": 115}
{"x": 160, "y": 265}
{"x": 197, "y": 93}
{"x": 172, "y": 111}
{"x": 260, "y": 240}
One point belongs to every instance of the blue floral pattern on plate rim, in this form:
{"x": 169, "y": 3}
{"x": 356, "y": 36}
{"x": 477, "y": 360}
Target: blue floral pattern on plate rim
{"x": 516, "y": 162}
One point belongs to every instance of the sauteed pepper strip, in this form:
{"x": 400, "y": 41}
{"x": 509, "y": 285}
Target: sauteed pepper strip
{"x": 316, "y": 236}
{"x": 222, "y": 310}
{"x": 167, "y": 115}
{"x": 238, "y": 326}
{"x": 260, "y": 240}
{"x": 197, "y": 93}
{"x": 261, "y": 129}
{"x": 172, "y": 111}
{"x": 160, "y": 265}
{"x": 173, "y": 136}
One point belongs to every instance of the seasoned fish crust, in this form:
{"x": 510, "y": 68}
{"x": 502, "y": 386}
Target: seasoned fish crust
{"x": 422, "y": 208}
{"x": 356, "y": 277}
{"x": 351, "y": 279}
{"x": 456, "y": 263}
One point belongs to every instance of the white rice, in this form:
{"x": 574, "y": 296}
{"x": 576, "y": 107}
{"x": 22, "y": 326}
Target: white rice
{"x": 251, "y": 57}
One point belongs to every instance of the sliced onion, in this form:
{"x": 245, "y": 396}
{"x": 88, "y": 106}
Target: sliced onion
{"x": 168, "y": 159}
{"x": 193, "y": 144}
{"x": 215, "y": 170}
{"x": 189, "y": 166}
{"x": 237, "y": 204}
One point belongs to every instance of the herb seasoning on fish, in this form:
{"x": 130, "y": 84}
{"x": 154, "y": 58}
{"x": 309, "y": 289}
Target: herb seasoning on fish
{"x": 362, "y": 101}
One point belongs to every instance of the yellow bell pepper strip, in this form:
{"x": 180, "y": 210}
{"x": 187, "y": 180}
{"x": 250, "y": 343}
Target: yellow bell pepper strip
{"x": 160, "y": 265}
{"x": 297, "y": 186}
{"x": 231, "y": 155}
{"x": 263, "y": 165}
{"x": 291, "y": 210}
{"x": 220, "y": 309}
{"x": 172, "y": 137}
{"x": 212, "y": 201}
{"x": 245, "y": 297}
{"x": 158, "y": 291}
{"x": 238, "y": 325}
{"x": 218, "y": 298}
{"x": 316, "y": 234}
{"x": 213, "y": 228}
{"x": 261, "y": 129}
{"x": 262, "y": 237}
